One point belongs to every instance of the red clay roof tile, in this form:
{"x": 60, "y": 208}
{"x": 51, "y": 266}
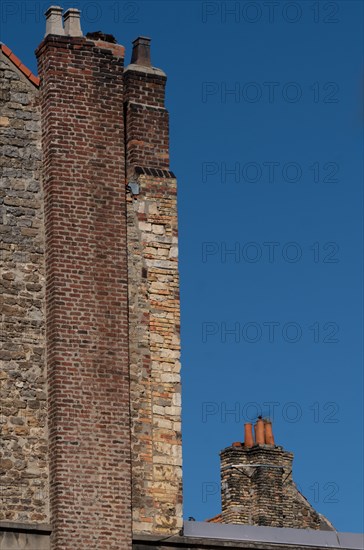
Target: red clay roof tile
{"x": 25, "y": 70}
{"x": 215, "y": 519}
{"x": 34, "y": 79}
{"x": 6, "y": 50}
{"x": 14, "y": 59}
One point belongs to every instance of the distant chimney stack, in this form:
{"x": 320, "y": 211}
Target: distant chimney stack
{"x": 252, "y": 478}
{"x": 257, "y": 486}
{"x": 72, "y": 22}
{"x": 141, "y": 52}
{"x": 54, "y": 23}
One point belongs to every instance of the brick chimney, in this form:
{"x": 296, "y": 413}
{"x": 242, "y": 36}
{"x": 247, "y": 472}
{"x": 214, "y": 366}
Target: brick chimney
{"x": 112, "y": 290}
{"x": 81, "y": 98}
{"x": 252, "y": 477}
{"x": 147, "y": 120}
{"x": 154, "y": 311}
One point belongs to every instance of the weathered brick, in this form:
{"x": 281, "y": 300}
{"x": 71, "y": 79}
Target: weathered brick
{"x": 111, "y": 285}
{"x": 257, "y": 488}
{"x": 86, "y": 288}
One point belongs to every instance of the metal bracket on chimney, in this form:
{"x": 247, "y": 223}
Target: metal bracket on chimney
{"x": 133, "y": 188}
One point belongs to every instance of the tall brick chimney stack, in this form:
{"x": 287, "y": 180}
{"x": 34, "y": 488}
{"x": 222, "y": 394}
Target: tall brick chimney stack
{"x": 112, "y": 291}
{"x": 81, "y": 98}
{"x": 147, "y": 120}
{"x": 154, "y": 306}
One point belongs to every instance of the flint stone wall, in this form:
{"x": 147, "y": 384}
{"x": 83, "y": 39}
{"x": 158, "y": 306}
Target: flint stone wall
{"x": 23, "y": 421}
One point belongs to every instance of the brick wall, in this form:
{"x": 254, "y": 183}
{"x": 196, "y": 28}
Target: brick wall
{"x": 23, "y": 418}
{"x": 86, "y": 292}
{"x": 147, "y": 120}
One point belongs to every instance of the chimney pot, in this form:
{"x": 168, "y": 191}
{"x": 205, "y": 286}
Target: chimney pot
{"x": 248, "y": 435}
{"x": 72, "y": 22}
{"x": 141, "y": 52}
{"x": 236, "y": 444}
{"x": 259, "y": 432}
{"x": 268, "y": 433}
{"x": 54, "y": 23}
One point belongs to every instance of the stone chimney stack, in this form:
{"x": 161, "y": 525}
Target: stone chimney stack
{"x": 252, "y": 477}
{"x": 257, "y": 486}
{"x": 81, "y": 98}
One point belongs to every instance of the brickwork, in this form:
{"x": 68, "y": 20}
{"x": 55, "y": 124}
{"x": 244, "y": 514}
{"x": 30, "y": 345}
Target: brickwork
{"x": 147, "y": 120}
{"x": 93, "y": 114}
{"x": 154, "y": 357}
{"x": 23, "y": 415}
{"x": 99, "y": 268}
{"x": 298, "y": 511}
{"x": 257, "y": 489}
{"x": 86, "y": 292}
{"x": 154, "y": 308}
{"x": 267, "y": 480}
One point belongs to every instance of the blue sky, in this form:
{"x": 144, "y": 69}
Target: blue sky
{"x": 266, "y": 105}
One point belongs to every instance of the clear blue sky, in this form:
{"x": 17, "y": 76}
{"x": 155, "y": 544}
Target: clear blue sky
{"x": 274, "y": 93}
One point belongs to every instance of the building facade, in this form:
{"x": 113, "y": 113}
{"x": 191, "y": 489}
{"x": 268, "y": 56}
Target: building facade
{"x": 90, "y": 293}
{"x": 90, "y": 348}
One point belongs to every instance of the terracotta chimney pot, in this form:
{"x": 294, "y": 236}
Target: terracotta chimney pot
{"x": 268, "y": 433}
{"x": 248, "y": 435}
{"x": 259, "y": 432}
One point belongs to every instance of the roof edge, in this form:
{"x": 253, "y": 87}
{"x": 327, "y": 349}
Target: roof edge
{"x": 282, "y": 536}
{"x": 35, "y": 80}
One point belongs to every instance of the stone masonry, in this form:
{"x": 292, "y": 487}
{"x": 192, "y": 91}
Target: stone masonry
{"x": 154, "y": 308}
{"x": 23, "y": 412}
{"x": 257, "y": 488}
{"x": 91, "y": 318}
{"x": 154, "y": 357}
